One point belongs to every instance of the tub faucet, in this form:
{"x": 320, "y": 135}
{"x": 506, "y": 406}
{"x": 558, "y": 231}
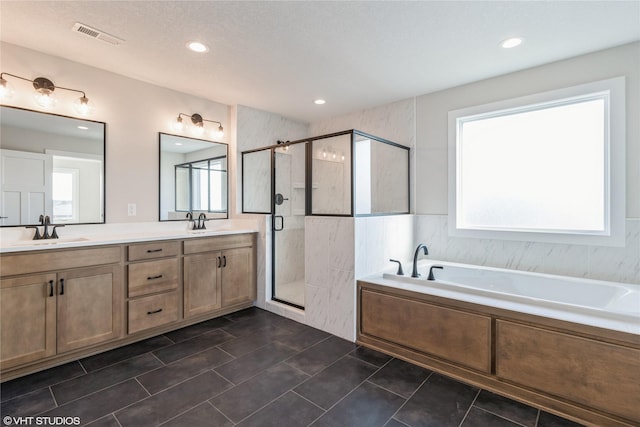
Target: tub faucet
{"x": 415, "y": 259}
{"x": 431, "y": 276}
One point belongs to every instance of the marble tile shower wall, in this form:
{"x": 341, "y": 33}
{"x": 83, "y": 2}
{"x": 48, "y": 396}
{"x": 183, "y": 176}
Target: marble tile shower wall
{"x": 594, "y": 262}
{"x": 330, "y": 275}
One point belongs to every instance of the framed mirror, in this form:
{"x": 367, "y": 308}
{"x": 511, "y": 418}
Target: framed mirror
{"x": 50, "y": 165}
{"x": 193, "y": 178}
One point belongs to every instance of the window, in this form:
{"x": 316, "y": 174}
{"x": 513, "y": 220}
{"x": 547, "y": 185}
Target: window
{"x": 199, "y": 184}
{"x": 65, "y": 195}
{"x": 548, "y": 167}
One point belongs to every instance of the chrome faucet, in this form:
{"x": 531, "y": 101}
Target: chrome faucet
{"x": 415, "y": 259}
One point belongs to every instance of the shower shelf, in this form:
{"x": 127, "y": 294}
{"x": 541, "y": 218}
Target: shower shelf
{"x": 300, "y": 185}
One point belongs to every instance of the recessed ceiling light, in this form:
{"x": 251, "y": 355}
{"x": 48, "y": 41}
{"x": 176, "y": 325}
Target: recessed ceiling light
{"x": 511, "y": 42}
{"x": 178, "y": 143}
{"x": 319, "y": 101}
{"x": 197, "y": 47}
{"x": 83, "y": 127}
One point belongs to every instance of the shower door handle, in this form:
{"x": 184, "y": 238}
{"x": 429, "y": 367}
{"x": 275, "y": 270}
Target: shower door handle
{"x": 275, "y": 223}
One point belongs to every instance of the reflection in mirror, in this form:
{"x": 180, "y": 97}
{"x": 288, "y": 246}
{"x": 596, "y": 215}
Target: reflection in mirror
{"x": 331, "y": 176}
{"x": 256, "y": 181}
{"x": 381, "y": 177}
{"x": 50, "y": 165}
{"x": 193, "y": 178}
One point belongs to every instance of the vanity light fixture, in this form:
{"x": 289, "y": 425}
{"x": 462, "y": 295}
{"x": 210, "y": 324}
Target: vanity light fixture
{"x": 44, "y": 93}
{"x": 198, "y": 122}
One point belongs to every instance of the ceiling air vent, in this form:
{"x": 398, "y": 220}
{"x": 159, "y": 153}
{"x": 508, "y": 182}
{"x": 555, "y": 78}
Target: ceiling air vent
{"x": 96, "y": 34}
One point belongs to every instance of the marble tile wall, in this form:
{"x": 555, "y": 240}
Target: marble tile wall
{"x": 330, "y": 275}
{"x": 619, "y": 264}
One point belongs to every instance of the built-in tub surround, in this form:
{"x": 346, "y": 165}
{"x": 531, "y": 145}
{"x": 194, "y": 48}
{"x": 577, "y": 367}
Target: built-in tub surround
{"x": 597, "y": 303}
{"x": 571, "y": 346}
{"x": 18, "y": 239}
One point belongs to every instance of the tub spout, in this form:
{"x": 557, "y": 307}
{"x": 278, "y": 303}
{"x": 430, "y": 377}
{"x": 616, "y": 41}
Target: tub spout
{"x": 415, "y": 259}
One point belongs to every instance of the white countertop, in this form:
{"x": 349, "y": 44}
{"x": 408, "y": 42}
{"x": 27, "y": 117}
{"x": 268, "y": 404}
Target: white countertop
{"x": 19, "y": 239}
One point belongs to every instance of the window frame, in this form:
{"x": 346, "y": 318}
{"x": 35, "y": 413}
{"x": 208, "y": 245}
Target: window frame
{"x": 615, "y": 192}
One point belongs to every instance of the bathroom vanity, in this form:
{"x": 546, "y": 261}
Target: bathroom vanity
{"x": 62, "y": 303}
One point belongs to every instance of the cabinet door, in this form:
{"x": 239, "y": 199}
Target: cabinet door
{"x": 27, "y": 319}
{"x": 201, "y": 283}
{"x": 238, "y": 285}
{"x": 89, "y": 306}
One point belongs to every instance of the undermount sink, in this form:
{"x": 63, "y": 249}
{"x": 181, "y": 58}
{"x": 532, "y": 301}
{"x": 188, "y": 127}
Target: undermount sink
{"x": 208, "y": 231}
{"x": 43, "y": 242}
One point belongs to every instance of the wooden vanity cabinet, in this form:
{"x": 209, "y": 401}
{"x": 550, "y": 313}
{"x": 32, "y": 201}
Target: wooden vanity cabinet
{"x": 152, "y": 285}
{"x": 53, "y": 312}
{"x": 58, "y": 305}
{"x": 219, "y": 272}
{"x": 27, "y": 319}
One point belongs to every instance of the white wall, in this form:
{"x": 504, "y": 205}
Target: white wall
{"x": 256, "y": 129}
{"x": 134, "y": 112}
{"x": 432, "y": 109}
{"x": 606, "y": 263}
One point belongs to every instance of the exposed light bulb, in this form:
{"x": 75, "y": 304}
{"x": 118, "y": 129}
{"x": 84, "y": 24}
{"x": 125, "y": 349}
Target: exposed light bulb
{"x": 45, "y": 98}
{"x": 6, "y": 89}
{"x": 82, "y": 106}
{"x": 178, "y": 125}
{"x": 218, "y": 133}
{"x": 324, "y": 153}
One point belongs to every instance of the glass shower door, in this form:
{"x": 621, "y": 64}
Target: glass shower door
{"x": 288, "y": 225}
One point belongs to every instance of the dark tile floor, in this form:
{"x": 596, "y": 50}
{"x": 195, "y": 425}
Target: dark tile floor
{"x": 253, "y": 368}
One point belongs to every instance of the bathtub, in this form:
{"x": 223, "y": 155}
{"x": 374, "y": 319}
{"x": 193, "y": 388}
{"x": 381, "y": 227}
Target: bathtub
{"x": 609, "y": 305}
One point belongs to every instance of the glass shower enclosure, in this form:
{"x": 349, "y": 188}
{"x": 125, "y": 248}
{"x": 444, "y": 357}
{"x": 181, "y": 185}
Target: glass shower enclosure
{"x": 343, "y": 174}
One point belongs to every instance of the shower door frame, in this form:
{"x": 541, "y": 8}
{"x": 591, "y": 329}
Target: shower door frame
{"x": 308, "y": 186}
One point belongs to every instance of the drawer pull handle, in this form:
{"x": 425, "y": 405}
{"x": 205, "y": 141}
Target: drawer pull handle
{"x": 224, "y": 258}
{"x": 150, "y": 251}
{"x": 50, "y": 288}
{"x": 159, "y": 276}
{"x": 61, "y": 286}
{"x": 219, "y": 262}
{"x": 154, "y": 311}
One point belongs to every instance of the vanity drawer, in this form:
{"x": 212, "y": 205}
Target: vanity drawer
{"x": 153, "y": 250}
{"x": 152, "y": 311}
{"x": 152, "y": 276}
{"x": 217, "y": 243}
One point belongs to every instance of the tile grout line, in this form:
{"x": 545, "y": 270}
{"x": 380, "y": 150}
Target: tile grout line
{"x": 469, "y": 408}
{"x": 412, "y": 394}
{"x": 498, "y": 415}
{"x": 354, "y": 389}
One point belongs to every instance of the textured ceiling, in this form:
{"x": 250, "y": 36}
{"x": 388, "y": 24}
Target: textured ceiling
{"x": 279, "y": 56}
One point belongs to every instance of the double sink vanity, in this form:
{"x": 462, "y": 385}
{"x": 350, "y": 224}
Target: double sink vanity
{"x": 62, "y": 299}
